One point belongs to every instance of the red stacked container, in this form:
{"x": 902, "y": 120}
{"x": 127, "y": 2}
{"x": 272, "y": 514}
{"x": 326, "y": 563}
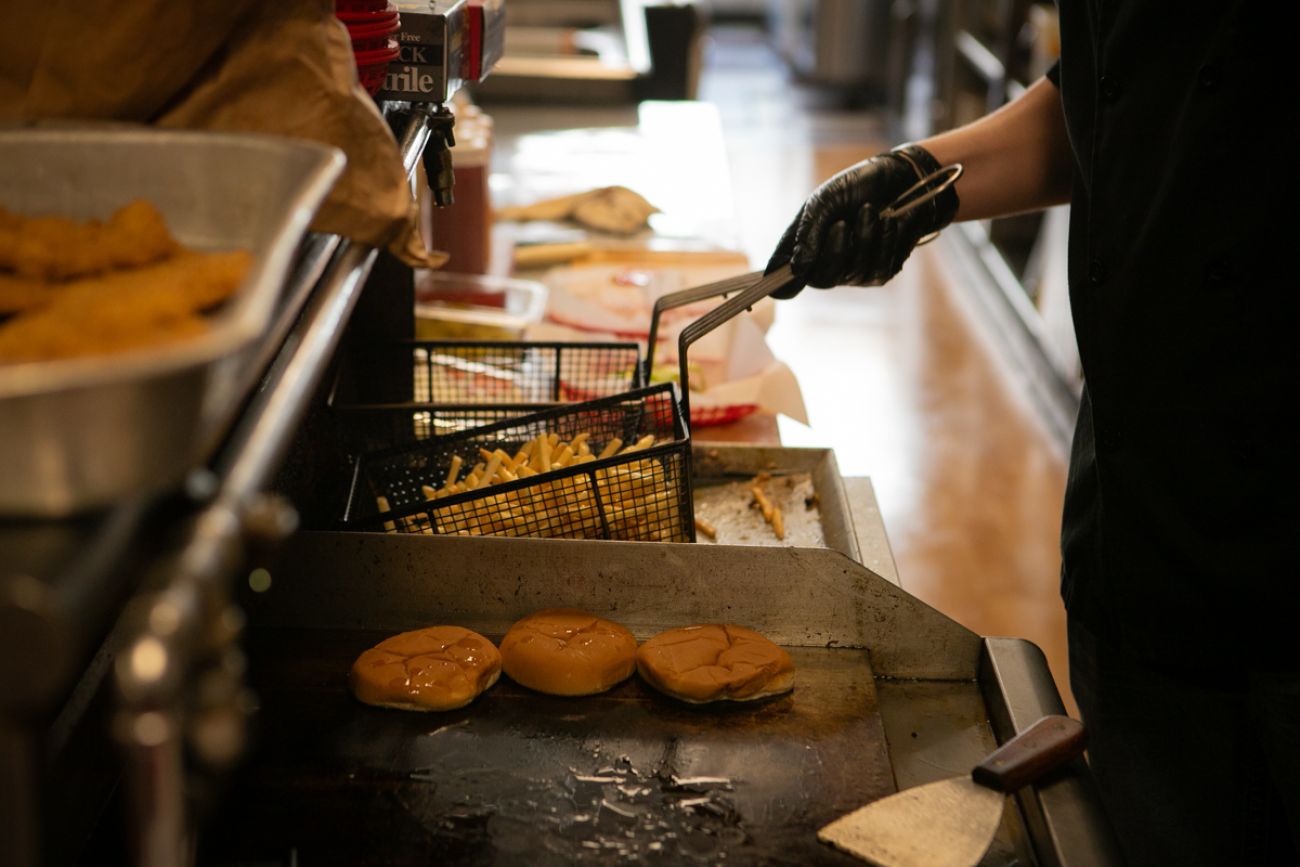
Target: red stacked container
{"x": 373, "y": 26}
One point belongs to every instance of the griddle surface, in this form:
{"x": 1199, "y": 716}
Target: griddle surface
{"x": 629, "y": 776}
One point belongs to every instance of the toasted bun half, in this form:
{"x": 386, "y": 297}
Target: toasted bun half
{"x": 715, "y": 662}
{"x": 438, "y": 668}
{"x": 567, "y": 651}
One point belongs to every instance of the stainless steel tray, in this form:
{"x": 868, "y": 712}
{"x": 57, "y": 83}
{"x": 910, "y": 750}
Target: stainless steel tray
{"x": 80, "y": 433}
{"x": 806, "y": 485}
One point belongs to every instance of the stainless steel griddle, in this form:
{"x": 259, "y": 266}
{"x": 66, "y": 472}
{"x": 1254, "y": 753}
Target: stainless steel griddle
{"x": 889, "y": 693}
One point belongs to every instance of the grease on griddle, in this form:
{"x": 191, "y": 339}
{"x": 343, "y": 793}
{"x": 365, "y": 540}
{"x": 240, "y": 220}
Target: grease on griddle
{"x": 605, "y": 811}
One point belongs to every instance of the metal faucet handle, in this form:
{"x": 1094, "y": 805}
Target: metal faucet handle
{"x": 437, "y": 154}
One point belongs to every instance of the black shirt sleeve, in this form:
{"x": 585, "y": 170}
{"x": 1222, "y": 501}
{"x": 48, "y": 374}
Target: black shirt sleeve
{"x": 1054, "y": 74}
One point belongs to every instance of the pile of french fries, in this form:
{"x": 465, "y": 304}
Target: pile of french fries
{"x": 639, "y": 501}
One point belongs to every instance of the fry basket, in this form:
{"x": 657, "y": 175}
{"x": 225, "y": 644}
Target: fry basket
{"x": 639, "y": 495}
{"x": 642, "y": 492}
{"x": 460, "y": 384}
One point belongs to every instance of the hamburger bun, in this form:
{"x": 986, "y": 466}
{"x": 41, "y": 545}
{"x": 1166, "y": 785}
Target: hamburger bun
{"x": 566, "y": 651}
{"x": 438, "y": 668}
{"x": 715, "y": 662}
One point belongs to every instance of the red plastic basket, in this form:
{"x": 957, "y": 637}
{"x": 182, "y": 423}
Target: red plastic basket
{"x": 372, "y": 66}
{"x": 711, "y": 416}
{"x": 701, "y": 416}
{"x": 383, "y": 15}
{"x": 372, "y": 37}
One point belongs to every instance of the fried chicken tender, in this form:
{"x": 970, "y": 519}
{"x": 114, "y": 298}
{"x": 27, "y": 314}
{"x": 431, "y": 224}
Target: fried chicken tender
{"x": 149, "y": 306}
{"x": 56, "y": 248}
{"x": 44, "y": 338}
{"x": 9, "y": 221}
{"x": 24, "y": 293}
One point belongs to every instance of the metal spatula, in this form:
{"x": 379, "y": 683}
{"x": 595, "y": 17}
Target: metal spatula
{"x": 950, "y": 823}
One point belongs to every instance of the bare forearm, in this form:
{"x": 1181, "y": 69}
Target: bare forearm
{"x": 1016, "y": 159}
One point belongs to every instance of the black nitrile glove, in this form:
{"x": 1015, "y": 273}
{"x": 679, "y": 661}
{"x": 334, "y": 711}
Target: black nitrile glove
{"x": 838, "y": 237}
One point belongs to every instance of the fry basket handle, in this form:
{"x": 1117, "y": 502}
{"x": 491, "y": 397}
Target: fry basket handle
{"x": 923, "y": 191}
{"x": 681, "y": 299}
{"x": 756, "y": 291}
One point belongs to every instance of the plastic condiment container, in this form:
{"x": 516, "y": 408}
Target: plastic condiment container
{"x": 451, "y": 306}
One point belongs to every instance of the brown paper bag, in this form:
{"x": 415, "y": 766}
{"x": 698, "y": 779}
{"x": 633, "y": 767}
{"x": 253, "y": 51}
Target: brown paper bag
{"x": 284, "y": 68}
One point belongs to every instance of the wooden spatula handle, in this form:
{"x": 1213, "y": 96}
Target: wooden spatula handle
{"x": 1038, "y": 750}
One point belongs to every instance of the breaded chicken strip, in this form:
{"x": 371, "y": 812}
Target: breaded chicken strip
{"x": 44, "y": 338}
{"x": 9, "y": 221}
{"x": 148, "y": 306}
{"x": 25, "y": 293}
{"x": 189, "y": 282}
{"x": 56, "y": 248}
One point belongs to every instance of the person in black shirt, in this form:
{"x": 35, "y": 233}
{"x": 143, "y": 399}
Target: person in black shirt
{"x": 1180, "y": 572}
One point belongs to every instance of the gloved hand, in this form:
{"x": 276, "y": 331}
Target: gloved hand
{"x": 839, "y": 237}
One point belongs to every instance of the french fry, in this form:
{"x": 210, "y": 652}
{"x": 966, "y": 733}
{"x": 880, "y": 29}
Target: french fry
{"x": 644, "y": 443}
{"x": 564, "y": 457}
{"x": 706, "y": 528}
{"x": 494, "y": 464}
{"x": 452, "y": 473}
{"x": 771, "y": 512}
{"x": 611, "y": 448}
{"x": 382, "y": 502}
{"x": 629, "y": 516}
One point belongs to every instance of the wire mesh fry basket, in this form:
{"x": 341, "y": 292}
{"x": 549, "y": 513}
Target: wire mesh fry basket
{"x": 611, "y": 468}
{"x": 616, "y": 467}
{"x": 460, "y": 385}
